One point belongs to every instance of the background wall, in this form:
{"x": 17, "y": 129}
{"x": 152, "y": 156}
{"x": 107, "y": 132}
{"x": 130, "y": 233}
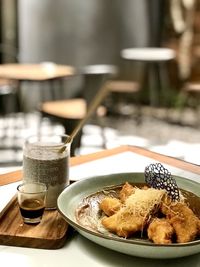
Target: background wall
{"x": 79, "y": 33}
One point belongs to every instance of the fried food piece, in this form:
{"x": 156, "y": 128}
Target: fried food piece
{"x": 123, "y": 223}
{"x": 110, "y": 205}
{"x": 133, "y": 215}
{"x": 183, "y": 220}
{"x": 160, "y": 231}
{"x": 126, "y": 191}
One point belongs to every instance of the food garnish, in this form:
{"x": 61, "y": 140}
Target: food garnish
{"x": 159, "y": 177}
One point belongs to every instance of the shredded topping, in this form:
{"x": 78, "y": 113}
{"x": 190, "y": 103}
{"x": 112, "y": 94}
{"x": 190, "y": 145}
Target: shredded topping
{"x": 143, "y": 202}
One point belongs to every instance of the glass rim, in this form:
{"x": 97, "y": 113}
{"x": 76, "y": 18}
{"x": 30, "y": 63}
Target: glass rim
{"x": 36, "y": 140}
{"x": 33, "y": 183}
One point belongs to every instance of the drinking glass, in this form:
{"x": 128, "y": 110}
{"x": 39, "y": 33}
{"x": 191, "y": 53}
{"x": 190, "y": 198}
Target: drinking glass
{"x": 44, "y": 162}
{"x": 31, "y": 200}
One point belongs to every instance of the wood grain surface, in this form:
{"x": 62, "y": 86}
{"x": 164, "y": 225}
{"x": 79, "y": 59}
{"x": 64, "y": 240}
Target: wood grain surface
{"x": 50, "y": 233}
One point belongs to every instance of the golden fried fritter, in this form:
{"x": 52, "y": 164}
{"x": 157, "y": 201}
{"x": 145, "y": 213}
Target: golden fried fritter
{"x": 160, "y": 231}
{"x": 110, "y": 205}
{"x": 126, "y": 191}
{"x": 183, "y": 220}
{"x": 123, "y": 223}
{"x": 134, "y": 214}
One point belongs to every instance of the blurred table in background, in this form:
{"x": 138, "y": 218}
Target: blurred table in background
{"x": 40, "y": 73}
{"x": 14, "y": 125}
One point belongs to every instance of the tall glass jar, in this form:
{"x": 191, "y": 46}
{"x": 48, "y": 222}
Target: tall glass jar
{"x": 43, "y": 162}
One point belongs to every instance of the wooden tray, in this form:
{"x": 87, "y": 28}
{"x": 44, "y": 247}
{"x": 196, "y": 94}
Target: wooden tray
{"x": 50, "y": 233}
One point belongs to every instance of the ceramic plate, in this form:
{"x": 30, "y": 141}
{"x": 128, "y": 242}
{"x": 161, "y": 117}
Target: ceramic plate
{"x": 69, "y": 202}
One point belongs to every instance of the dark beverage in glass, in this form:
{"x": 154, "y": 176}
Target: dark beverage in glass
{"x": 32, "y": 200}
{"x": 32, "y": 208}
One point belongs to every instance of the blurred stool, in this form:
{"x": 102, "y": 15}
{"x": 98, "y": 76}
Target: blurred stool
{"x": 93, "y": 78}
{"x": 191, "y": 91}
{"x": 68, "y": 112}
{"x": 9, "y": 98}
{"x": 9, "y": 105}
{"x": 192, "y": 88}
{"x": 9, "y": 102}
{"x": 156, "y": 74}
{"x": 9, "y": 108}
{"x": 124, "y": 89}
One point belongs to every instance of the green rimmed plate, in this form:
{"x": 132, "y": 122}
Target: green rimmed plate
{"x": 70, "y": 199}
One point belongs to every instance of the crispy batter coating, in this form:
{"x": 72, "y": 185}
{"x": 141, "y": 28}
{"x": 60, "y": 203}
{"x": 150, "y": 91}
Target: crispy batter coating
{"x": 114, "y": 223}
{"x": 126, "y": 191}
{"x": 133, "y": 215}
{"x": 183, "y": 220}
{"x": 160, "y": 231}
{"x": 123, "y": 223}
{"x": 110, "y": 205}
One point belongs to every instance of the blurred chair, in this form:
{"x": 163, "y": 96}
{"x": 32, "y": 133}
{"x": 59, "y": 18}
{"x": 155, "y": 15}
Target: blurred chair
{"x": 9, "y": 107}
{"x": 66, "y": 112}
{"x": 70, "y": 111}
{"x": 8, "y": 88}
{"x": 156, "y": 73}
{"x": 9, "y": 101}
{"x": 192, "y": 89}
{"x": 191, "y": 93}
{"x": 121, "y": 90}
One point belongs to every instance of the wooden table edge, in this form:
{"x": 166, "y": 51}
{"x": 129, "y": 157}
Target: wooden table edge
{"x": 17, "y": 175}
{"x": 26, "y": 78}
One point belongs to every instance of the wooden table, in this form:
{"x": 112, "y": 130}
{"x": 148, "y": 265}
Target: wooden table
{"x": 17, "y": 175}
{"x": 79, "y": 251}
{"x": 40, "y": 73}
{"x": 35, "y": 72}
